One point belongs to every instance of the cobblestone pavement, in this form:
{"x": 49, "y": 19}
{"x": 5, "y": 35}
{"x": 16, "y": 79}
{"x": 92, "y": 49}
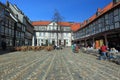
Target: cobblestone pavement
{"x": 56, "y": 65}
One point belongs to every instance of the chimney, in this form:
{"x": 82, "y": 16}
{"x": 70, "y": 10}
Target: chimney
{"x": 98, "y": 11}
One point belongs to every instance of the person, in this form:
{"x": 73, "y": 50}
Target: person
{"x": 54, "y": 46}
{"x": 100, "y": 52}
{"x": 112, "y": 53}
{"x": 103, "y": 52}
{"x": 76, "y": 49}
{"x": 72, "y": 47}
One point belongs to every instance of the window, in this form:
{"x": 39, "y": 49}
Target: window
{"x": 6, "y": 22}
{"x": 36, "y": 28}
{"x": 117, "y": 25}
{"x": 66, "y": 42}
{"x": 106, "y": 22}
{"x": 115, "y": 12}
{"x": 11, "y": 42}
{"x": 116, "y": 18}
{"x": 66, "y": 28}
{"x": 41, "y": 40}
{"x": 38, "y": 41}
{"x": 23, "y": 28}
{"x": 111, "y": 26}
{"x": 106, "y": 16}
{"x": 10, "y": 33}
{"x": 42, "y": 34}
{"x": 111, "y": 18}
{"x": 6, "y": 31}
{"x": 8, "y": 42}
{"x": 42, "y": 28}
{"x": 39, "y": 33}
{"x": 107, "y": 27}
{"x": 3, "y": 22}
{"x": 10, "y": 24}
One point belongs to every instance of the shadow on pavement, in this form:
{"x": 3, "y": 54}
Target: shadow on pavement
{"x": 2, "y": 52}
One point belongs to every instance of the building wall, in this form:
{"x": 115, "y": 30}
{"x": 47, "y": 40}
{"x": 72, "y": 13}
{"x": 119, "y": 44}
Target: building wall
{"x": 23, "y": 28}
{"x": 100, "y": 28}
{"x": 6, "y": 27}
{"x": 47, "y": 35}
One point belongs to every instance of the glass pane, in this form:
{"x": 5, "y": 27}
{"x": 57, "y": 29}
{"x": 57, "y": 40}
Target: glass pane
{"x": 117, "y": 25}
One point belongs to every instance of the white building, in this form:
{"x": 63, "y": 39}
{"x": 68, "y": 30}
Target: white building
{"x": 46, "y": 33}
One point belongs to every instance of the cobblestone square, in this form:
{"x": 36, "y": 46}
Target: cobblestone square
{"x": 56, "y": 65}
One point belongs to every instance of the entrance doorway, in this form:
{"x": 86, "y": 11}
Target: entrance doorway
{"x": 53, "y": 42}
{"x": 59, "y": 42}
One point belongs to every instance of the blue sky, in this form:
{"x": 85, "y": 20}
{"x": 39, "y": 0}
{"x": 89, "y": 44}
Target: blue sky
{"x": 71, "y": 10}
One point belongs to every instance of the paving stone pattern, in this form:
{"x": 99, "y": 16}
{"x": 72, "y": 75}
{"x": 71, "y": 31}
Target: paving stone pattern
{"x": 56, "y": 65}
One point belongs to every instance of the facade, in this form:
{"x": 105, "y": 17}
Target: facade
{"x": 15, "y": 27}
{"x": 102, "y": 28}
{"x": 46, "y": 33}
{"x": 29, "y": 32}
{"x": 23, "y": 27}
{"x": 6, "y": 26}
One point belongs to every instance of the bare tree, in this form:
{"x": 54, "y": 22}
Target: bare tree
{"x": 57, "y": 18}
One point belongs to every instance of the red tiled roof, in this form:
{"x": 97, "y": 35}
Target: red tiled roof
{"x": 37, "y": 23}
{"x": 101, "y": 11}
{"x": 64, "y": 24}
{"x": 75, "y": 26}
{"x": 92, "y": 18}
{"x": 43, "y": 23}
{"x": 106, "y": 8}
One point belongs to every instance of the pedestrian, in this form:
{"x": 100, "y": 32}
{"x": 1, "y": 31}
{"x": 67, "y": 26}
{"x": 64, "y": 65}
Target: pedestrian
{"x": 103, "y": 52}
{"x": 76, "y": 49}
{"x": 72, "y": 47}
